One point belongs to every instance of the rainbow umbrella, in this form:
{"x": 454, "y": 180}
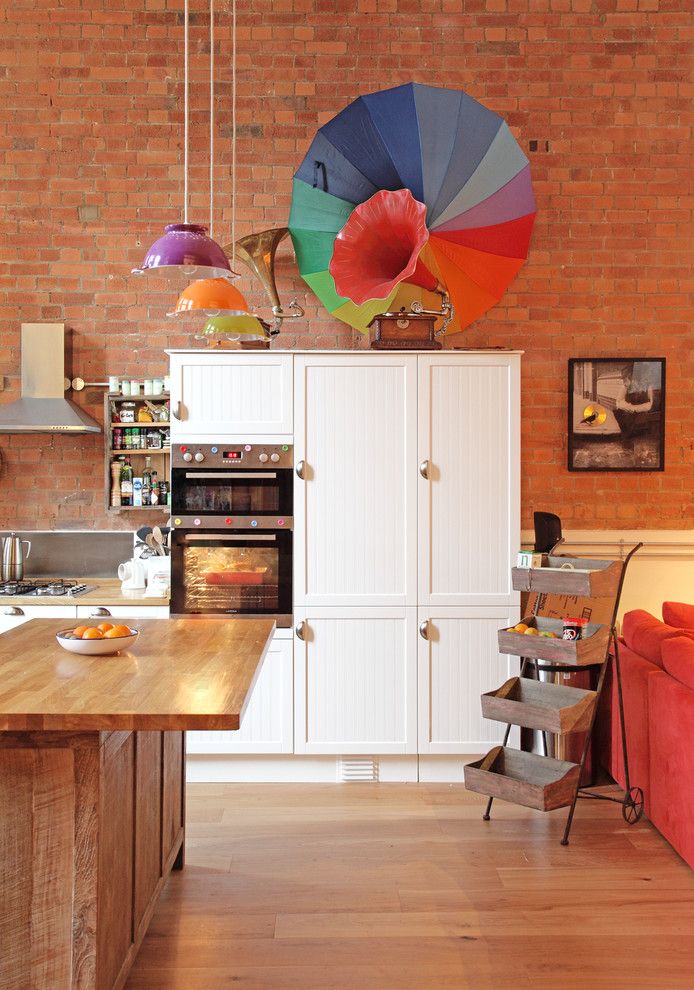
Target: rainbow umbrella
{"x": 454, "y": 156}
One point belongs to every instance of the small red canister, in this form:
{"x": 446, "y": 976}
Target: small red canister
{"x": 573, "y": 628}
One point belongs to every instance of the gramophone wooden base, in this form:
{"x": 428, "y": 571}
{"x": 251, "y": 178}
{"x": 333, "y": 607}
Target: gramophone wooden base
{"x": 404, "y": 332}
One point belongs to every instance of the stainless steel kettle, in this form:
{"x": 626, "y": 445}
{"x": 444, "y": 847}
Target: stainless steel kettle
{"x": 13, "y": 557}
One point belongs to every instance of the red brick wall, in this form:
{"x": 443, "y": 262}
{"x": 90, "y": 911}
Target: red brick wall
{"x": 90, "y": 144}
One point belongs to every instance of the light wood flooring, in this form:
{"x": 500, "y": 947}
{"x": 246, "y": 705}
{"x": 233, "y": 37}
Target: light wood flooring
{"x": 404, "y": 887}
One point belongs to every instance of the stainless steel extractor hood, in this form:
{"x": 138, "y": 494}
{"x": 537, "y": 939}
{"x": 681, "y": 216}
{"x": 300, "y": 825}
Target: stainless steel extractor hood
{"x": 43, "y": 407}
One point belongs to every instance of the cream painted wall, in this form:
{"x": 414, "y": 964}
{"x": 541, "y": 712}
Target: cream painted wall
{"x": 663, "y": 570}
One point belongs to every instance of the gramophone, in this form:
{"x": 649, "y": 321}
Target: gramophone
{"x": 246, "y": 329}
{"x": 381, "y": 253}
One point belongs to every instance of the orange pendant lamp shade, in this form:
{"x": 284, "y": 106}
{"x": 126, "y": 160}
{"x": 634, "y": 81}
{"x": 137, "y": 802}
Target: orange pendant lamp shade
{"x": 210, "y": 296}
{"x": 379, "y": 247}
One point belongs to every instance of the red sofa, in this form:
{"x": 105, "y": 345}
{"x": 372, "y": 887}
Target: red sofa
{"x": 657, "y": 666}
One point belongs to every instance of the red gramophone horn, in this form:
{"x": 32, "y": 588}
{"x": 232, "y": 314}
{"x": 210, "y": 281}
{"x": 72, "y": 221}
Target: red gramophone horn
{"x": 379, "y": 247}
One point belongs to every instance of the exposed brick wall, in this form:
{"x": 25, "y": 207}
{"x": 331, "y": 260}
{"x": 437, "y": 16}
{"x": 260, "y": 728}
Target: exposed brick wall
{"x": 91, "y": 150}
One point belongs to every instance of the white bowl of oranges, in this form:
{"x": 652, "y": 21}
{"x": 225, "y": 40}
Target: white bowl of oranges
{"x": 97, "y": 641}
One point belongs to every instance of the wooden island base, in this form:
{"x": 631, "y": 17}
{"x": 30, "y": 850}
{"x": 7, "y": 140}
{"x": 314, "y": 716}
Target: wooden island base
{"x": 92, "y": 823}
{"x": 92, "y": 769}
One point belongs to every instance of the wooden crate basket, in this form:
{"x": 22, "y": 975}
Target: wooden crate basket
{"x": 540, "y": 705}
{"x": 592, "y": 649}
{"x": 571, "y": 576}
{"x": 534, "y": 781}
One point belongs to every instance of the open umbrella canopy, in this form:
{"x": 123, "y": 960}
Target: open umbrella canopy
{"x": 455, "y": 157}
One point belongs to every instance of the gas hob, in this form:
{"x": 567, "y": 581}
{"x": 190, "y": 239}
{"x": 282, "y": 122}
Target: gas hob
{"x": 44, "y": 588}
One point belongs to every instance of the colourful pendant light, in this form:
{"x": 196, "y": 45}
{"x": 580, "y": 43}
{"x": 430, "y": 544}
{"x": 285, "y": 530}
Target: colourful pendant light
{"x": 185, "y": 249}
{"x": 248, "y": 327}
{"x": 210, "y": 297}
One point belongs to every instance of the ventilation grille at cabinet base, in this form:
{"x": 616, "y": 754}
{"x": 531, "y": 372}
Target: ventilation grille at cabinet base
{"x": 357, "y": 769}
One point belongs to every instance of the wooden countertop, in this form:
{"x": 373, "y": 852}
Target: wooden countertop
{"x": 107, "y": 591}
{"x": 180, "y": 674}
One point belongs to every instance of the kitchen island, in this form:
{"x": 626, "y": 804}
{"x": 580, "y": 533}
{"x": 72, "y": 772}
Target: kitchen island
{"x": 92, "y": 776}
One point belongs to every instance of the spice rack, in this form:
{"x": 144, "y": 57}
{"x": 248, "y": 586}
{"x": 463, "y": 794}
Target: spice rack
{"x": 160, "y": 455}
{"x": 540, "y": 781}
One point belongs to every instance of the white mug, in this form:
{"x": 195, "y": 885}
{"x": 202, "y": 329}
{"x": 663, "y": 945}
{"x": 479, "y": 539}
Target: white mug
{"x": 132, "y": 574}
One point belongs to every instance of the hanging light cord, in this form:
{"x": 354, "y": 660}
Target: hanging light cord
{"x": 185, "y": 111}
{"x": 211, "y": 118}
{"x": 233, "y": 122}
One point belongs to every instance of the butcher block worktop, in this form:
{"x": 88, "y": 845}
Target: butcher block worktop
{"x": 107, "y": 591}
{"x": 179, "y": 674}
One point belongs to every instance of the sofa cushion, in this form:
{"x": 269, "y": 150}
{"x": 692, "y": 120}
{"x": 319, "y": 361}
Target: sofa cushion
{"x": 678, "y": 614}
{"x": 678, "y": 659}
{"x": 644, "y": 634}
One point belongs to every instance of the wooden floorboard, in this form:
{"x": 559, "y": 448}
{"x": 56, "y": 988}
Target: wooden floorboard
{"x": 404, "y": 887}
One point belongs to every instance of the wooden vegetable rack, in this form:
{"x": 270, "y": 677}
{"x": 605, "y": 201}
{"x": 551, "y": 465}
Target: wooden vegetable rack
{"x": 539, "y": 781}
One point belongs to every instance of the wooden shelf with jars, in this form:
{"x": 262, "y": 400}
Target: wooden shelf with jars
{"x": 137, "y": 429}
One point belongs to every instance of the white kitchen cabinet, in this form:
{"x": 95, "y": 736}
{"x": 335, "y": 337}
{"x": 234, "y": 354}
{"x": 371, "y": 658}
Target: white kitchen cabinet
{"x": 267, "y": 725}
{"x": 458, "y": 659}
{"x": 355, "y": 506}
{"x": 16, "y": 615}
{"x": 355, "y": 679}
{"x": 135, "y": 611}
{"x": 469, "y": 503}
{"x": 219, "y": 395}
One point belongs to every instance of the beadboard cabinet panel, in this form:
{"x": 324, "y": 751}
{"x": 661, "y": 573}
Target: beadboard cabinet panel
{"x": 355, "y": 508}
{"x": 267, "y": 725}
{"x": 457, "y": 661}
{"x": 219, "y": 394}
{"x": 469, "y": 525}
{"x": 355, "y": 681}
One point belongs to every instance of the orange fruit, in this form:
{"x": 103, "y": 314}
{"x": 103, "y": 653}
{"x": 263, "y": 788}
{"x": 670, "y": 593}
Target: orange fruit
{"x": 79, "y": 631}
{"x": 92, "y": 633}
{"x": 121, "y": 631}
{"x": 105, "y": 626}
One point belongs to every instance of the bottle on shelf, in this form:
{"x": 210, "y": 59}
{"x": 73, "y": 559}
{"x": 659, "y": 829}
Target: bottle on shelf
{"x": 154, "y": 491}
{"x": 164, "y": 494}
{"x": 147, "y": 482}
{"x": 126, "y": 483}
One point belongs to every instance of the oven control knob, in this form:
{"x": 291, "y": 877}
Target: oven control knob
{"x": 196, "y": 522}
{"x": 187, "y": 456}
{"x": 199, "y": 457}
{"x": 262, "y": 458}
{"x": 214, "y": 450}
{"x": 274, "y": 458}
{"x": 228, "y": 521}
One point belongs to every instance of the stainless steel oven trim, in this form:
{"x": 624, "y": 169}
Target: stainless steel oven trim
{"x": 226, "y": 475}
{"x": 238, "y": 522}
{"x": 230, "y": 537}
{"x": 282, "y": 621}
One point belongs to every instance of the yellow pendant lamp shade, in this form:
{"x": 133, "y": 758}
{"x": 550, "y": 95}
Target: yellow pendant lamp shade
{"x": 234, "y": 327}
{"x": 211, "y": 297}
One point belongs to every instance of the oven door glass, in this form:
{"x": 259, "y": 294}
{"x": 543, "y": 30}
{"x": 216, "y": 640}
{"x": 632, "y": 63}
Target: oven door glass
{"x": 231, "y": 573}
{"x": 238, "y": 493}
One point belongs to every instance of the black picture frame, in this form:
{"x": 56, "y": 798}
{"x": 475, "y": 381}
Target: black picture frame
{"x": 605, "y": 433}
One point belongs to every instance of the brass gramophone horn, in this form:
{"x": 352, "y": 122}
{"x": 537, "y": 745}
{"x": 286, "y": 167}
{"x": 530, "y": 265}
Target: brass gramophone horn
{"x": 257, "y": 252}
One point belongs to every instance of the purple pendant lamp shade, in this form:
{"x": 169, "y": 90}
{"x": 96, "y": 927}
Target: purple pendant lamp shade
{"x": 186, "y": 249}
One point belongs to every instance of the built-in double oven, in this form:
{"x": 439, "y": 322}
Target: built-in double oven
{"x": 231, "y": 551}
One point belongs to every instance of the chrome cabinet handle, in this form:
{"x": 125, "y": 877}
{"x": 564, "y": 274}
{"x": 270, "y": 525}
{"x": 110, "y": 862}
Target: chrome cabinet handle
{"x": 98, "y": 612}
{"x": 13, "y": 610}
{"x": 424, "y": 629}
{"x": 301, "y": 470}
{"x": 176, "y": 413}
{"x": 300, "y": 630}
{"x": 424, "y": 470}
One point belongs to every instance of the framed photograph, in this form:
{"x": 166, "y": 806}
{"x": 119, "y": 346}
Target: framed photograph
{"x": 616, "y": 414}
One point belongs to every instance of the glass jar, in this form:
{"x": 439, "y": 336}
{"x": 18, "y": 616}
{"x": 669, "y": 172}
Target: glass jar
{"x": 127, "y": 412}
{"x": 153, "y": 440}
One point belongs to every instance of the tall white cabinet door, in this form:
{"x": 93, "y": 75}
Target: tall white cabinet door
{"x": 267, "y": 724}
{"x": 355, "y": 681}
{"x": 355, "y": 509}
{"x": 469, "y": 513}
{"x": 230, "y": 394}
{"x": 458, "y": 661}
